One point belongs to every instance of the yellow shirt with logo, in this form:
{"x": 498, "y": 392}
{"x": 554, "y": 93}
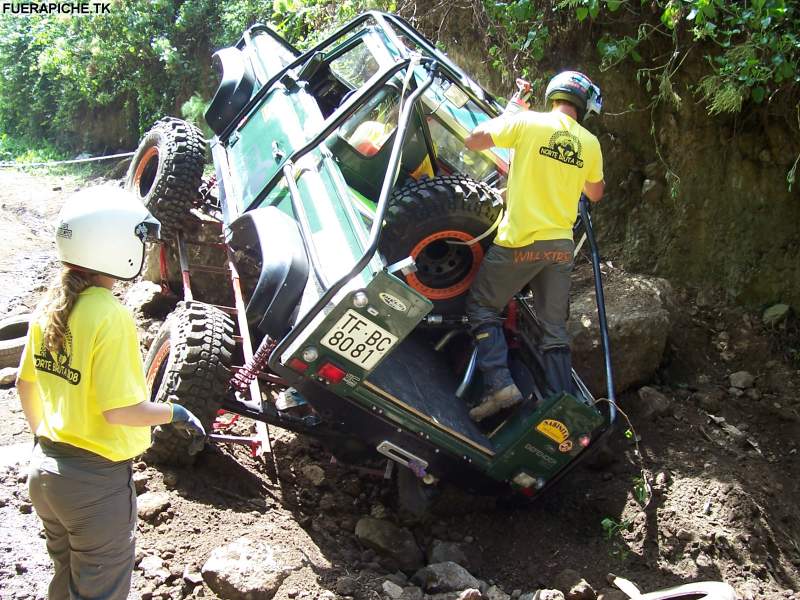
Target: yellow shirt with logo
{"x": 553, "y": 157}
{"x": 100, "y": 368}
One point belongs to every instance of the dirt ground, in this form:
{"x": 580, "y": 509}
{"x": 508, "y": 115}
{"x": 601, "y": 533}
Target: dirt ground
{"x": 724, "y": 503}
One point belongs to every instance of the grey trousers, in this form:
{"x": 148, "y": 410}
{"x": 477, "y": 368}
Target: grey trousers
{"x": 88, "y": 507}
{"x": 545, "y": 268}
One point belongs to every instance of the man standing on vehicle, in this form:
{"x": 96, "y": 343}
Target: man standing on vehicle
{"x": 555, "y": 160}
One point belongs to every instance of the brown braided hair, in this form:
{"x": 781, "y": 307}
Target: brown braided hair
{"x": 58, "y": 304}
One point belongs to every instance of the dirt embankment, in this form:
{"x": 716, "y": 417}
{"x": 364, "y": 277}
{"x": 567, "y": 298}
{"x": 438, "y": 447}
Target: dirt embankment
{"x": 724, "y": 491}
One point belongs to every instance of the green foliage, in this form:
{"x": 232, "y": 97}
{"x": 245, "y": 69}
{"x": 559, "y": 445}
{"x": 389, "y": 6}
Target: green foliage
{"x": 520, "y": 29}
{"x": 144, "y": 60}
{"x": 612, "y": 533}
{"x": 753, "y": 48}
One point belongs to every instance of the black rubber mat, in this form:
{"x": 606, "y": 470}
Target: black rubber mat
{"x": 420, "y": 378}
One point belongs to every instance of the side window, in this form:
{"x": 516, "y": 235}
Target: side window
{"x": 355, "y": 66}
{"x": 374, "y": 123}
{"x": 450, "y": 149}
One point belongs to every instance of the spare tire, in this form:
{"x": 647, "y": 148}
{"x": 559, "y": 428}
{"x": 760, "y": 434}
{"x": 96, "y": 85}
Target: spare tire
{"x": 13, "y": 334}
{"x": 188, "y": 363}
{"x": 166, "y": 172}
{"x": 423, "y": 217}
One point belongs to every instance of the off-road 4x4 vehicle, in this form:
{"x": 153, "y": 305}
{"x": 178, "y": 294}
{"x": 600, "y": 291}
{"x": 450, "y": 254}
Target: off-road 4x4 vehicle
{"x": 353, "y": 221}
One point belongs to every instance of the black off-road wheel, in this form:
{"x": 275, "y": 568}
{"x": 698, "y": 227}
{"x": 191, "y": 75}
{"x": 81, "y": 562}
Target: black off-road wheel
{"x": 166, "y": 172}
{"x": 189, "y": 364}
{"x": 423, "y": 219}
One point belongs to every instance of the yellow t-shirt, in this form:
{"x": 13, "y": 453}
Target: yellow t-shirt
{"x": 100, "y": 368}
{"x": 554, "y": 156}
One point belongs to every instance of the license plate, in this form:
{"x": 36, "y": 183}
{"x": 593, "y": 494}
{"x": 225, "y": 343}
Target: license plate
{"x": 359, "y": 340}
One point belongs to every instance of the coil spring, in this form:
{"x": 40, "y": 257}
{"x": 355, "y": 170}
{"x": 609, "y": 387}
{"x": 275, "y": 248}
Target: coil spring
{"x": 244, "y": 377}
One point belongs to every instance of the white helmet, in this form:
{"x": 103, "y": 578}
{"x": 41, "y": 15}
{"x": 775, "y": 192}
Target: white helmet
{"x": 103, "y": 229}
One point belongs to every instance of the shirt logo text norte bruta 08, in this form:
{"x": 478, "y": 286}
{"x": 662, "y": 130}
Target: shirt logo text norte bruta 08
{"x": 563, "y": 147}
{"x": 58, "y": 363}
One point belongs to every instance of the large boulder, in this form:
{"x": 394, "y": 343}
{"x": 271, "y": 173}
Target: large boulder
{"x": 639, "y": 322}
{"x": 248, "y": 570}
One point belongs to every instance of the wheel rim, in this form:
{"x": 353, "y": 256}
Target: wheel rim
{"x": 445, "y": 271}
{"x": 155, "y": 374}
{"x": 146, "y": 170}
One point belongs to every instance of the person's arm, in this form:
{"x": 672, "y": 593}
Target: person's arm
{"x": 479, "y": 139}
{"x": 140, "y": 415}
{"x": 594, "y": 191}
{"x": 148, "y": 413}
{"x": 31, "y": 403}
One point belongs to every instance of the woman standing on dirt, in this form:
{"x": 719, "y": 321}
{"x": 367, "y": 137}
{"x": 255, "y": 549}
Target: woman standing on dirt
{"x": 82, "y": 388}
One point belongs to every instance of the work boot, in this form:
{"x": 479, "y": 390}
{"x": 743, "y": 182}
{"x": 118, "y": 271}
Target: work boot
{"x": 496, "y": 401}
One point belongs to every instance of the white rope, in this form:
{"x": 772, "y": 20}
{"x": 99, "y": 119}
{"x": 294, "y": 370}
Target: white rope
{"x": 53, "y": 163}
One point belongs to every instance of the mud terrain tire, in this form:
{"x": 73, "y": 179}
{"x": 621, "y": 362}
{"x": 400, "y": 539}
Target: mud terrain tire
{"x": 422, "y": 217}
{"x": 188, "y": 363}
{"x": 166, "y": 172}
{"x": 13, "y": 333}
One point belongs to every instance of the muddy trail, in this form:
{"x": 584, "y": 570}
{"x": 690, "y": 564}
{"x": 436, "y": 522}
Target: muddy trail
{"x": 720, "y": 453}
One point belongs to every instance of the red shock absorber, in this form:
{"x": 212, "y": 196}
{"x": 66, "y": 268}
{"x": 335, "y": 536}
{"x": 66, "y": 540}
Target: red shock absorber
{"x": 244, "y": 377}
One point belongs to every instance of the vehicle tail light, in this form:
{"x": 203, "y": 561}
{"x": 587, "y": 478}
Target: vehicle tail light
{"x": 331, "y": 373}
{"x": 584, "y": 441}
{"x": 298, "y": 365}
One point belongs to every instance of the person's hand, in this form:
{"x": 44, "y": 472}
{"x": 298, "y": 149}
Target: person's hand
{"x": 184, "y": 418}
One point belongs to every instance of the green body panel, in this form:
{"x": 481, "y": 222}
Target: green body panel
{"x": 523, "y": 447}
{"x": 283, "y": 123}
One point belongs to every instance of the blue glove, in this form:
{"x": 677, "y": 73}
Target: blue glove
{"x": 184, "y": 418}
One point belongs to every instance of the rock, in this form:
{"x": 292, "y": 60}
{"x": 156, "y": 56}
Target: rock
{"x": 152, "y": 504}
{"x": 709, "y": 400}
{"x": 247, "y": 570}
{"x": 399, "y": 578}
{"x": 495, "y": 593}
{"x": 775, "y": 314}
{"x": 653, "y": 402}
{"x": 445, "y": 577}
{"x": 8, "y": 376}
{"x": 314, "y": 474}
{"x": 147, "y": 298}
{"x": 153, "y": 568}
{"x": 741, "y": 380}
{"x": 140, "y": 480}
{"x": 392, "y": 590}
{"x": 637, "y": 309}
{"x": 548, "y": 595}
{"x": 470, "y": 594}
{"x": 26, "y": 508}
{"x": 192, "y": 577}
{"x": 652, "y": 190}
{"x": 412, "y": 592}
{"x": 441, "y": 551}
{"x": 170, "y": 479}
{"x": 390, "y": 540}
{"x": 346, "y": 586}
{"x": 574, "y": 586}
